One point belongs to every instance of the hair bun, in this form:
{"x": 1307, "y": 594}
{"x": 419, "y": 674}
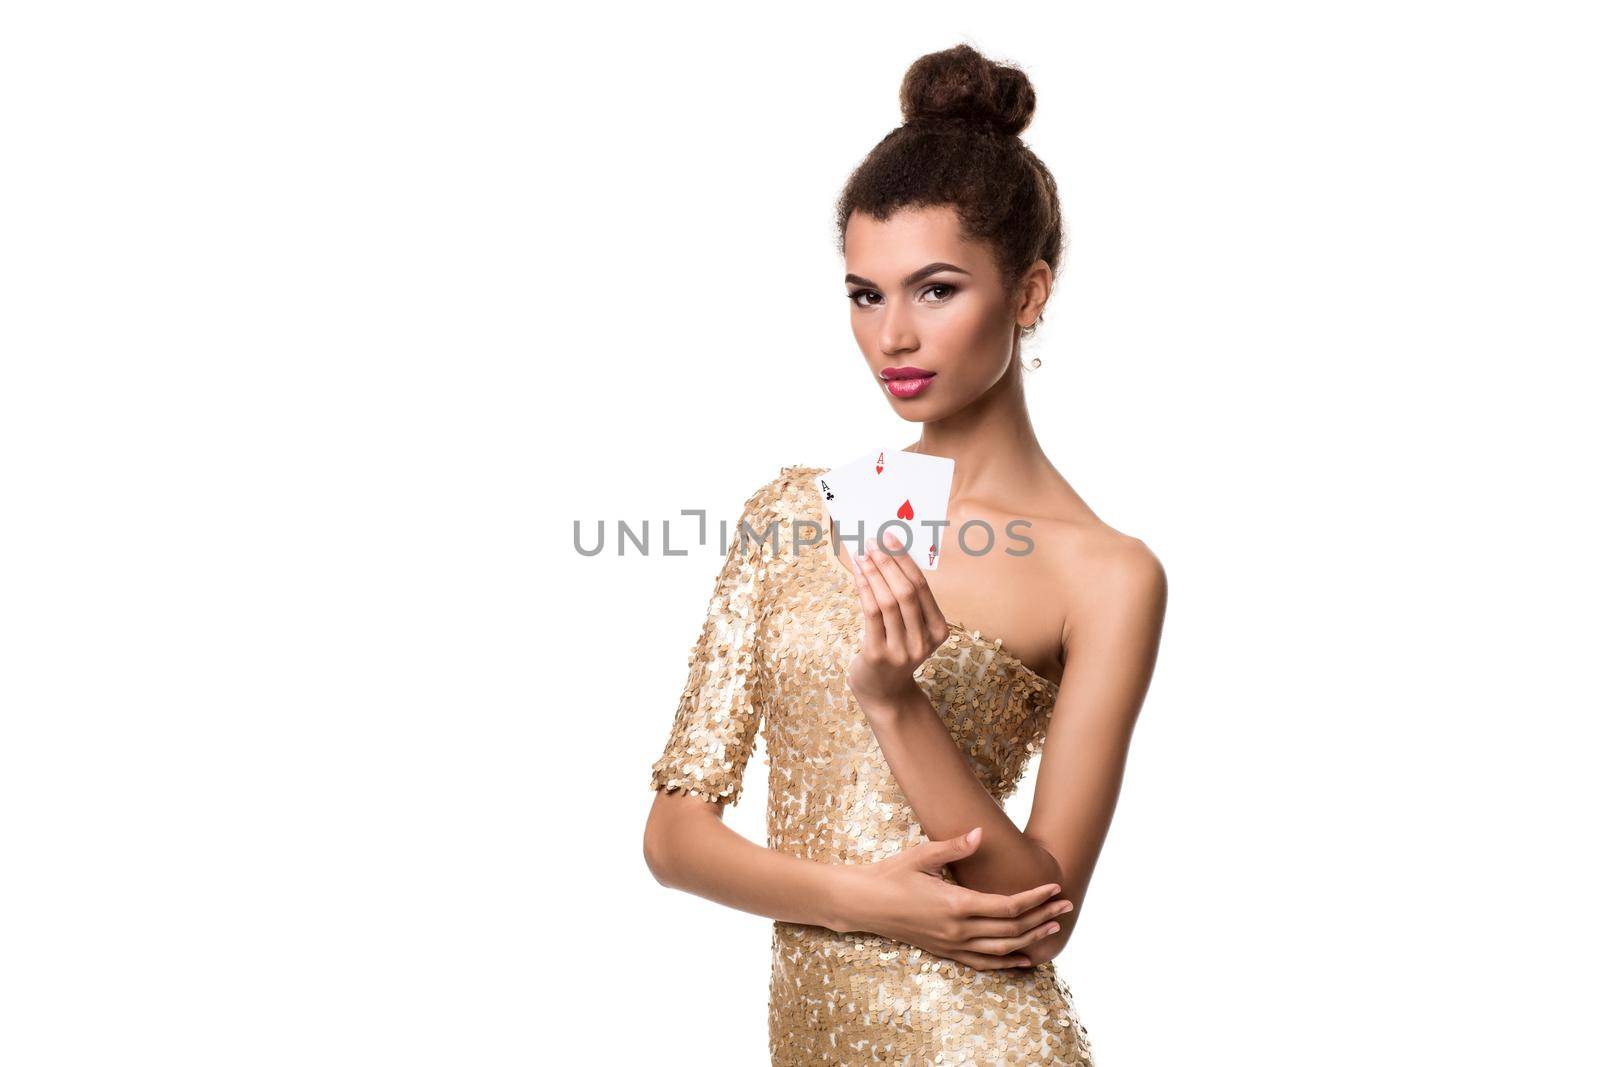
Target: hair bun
{"x": 960, "y": 85}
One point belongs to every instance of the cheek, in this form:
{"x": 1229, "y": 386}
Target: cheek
{"x": 982, "y": 336}
{"x": 863, "y": 331}
{"x": 968, "y": 327}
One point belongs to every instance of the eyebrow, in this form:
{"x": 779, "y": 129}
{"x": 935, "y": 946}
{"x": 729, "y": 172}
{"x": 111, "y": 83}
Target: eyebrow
{"x": 910, "y": 279}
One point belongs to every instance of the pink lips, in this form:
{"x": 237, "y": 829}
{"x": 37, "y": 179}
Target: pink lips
{"x": 906, "y": 382}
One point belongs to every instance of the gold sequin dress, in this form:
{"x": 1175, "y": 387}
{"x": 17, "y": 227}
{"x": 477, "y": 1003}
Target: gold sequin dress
{"x": 781, "y": 629}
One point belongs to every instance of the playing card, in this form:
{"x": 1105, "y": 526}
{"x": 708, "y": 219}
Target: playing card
{"x": 846, "y": 487}
{"x": 849, "y": 493}
{"x": 916, "y": 490}
{"x": 868, "y": 494}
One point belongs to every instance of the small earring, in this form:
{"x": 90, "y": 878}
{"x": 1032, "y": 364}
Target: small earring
{"x": 1037, "y": 362}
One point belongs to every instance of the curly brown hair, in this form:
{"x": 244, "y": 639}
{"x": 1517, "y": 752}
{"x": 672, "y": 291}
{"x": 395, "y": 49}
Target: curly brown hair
{"x": 959, "y": 146}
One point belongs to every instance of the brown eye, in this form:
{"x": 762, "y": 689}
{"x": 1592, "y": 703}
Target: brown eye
{"x": 860, "y": 293}
{"x": 950, "y": 290}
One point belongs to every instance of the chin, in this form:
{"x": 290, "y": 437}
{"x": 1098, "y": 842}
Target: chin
{"x": 911, "y": 411}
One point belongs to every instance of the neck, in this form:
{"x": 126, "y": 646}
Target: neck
{"x": 991, "y": 440}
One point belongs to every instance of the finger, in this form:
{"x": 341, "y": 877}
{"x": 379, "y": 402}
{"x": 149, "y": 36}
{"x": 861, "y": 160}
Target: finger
{"x": 980, "y": 962}
{"x": 996, "y": 905}
{"x": 1005, "y": 946}
{"x": 896, "y": 551}
{"x": 931, "y": 855}
{"x": 986, "y": 927}
{"x": 893, "y": 626}
{"x": 892, "y": 567}
{"x": 932, "y": 617}
{"x": 872, "y": 636}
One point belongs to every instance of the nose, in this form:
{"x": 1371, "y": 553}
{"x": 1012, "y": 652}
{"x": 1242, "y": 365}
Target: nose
{"x": 897, "y": 333}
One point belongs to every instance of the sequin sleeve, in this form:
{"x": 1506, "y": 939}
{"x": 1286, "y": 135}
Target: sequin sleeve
{"x": 723, "y": 700}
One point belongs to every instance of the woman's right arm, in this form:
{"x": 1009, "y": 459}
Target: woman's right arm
{"x": 688, "y": 847}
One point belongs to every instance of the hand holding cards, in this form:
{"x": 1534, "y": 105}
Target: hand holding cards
{"x": 888, "y": 490}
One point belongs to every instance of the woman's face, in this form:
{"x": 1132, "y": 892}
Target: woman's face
{"x": 935, "y": 339}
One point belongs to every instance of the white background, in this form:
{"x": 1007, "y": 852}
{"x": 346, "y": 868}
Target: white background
{"x": 323, "y": 322}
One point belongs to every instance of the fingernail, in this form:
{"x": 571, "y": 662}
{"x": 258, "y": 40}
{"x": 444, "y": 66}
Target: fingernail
{"x": 1053, "y": 928}
{"x": 972, "y": 835}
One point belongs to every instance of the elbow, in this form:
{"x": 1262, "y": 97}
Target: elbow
{"x": 658, "y": 851}
{"x": 652, "y": 858}
{"x": 1048, "y": 948}
{"x": 669, "y": 835}
{"x": 1050, "y": 867}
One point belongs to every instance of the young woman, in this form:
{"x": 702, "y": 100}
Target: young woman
{"x": 912, "y": 916}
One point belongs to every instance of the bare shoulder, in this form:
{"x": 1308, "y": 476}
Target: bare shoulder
{"x": 1123, "y": 566}
{"x": 1101, "y": 573}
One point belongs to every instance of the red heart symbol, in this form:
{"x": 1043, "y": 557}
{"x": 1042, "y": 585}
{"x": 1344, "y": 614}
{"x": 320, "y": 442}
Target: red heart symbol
{"x": 904, "y": 512}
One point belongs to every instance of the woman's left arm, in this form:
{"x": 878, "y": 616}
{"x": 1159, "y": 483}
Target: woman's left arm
{"x": 1112, "y": 653}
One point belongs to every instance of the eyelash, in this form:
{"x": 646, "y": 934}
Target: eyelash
{"x": 936, "y": 285}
